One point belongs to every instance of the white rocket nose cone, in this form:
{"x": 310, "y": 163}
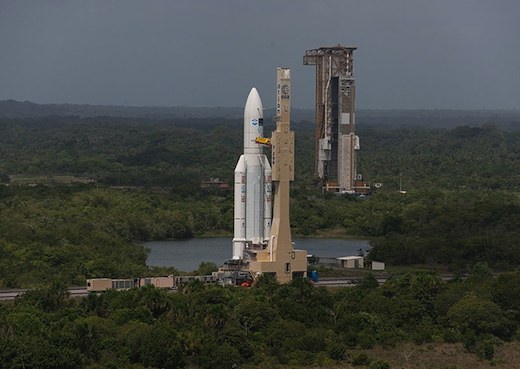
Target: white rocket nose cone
{"x": 253, "y": 108}
{"x": 253, "y": 123}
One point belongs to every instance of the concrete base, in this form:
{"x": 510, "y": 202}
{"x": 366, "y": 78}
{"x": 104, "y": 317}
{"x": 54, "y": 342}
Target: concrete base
{"x": 285, "y": 268}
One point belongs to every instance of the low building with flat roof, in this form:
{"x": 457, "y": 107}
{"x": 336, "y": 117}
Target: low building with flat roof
{"x": 378, "y": 265}
{"x": 351, "y": 262}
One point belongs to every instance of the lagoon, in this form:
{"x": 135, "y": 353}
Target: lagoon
{"x": 186, "y": 255}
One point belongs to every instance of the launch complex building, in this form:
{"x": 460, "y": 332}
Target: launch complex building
{"x": 262, "y": 240}
{"x": 336, "y": 141}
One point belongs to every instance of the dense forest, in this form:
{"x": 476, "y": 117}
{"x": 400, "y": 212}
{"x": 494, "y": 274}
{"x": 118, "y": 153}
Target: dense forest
{"x": 78, "y": 195}
{"x": 70, "y": 233}
{"x": 483, "y": 158}
{"x": 182, "y": 152}
{"x": 138, "y": 180}
{"x": 266, "y": 326}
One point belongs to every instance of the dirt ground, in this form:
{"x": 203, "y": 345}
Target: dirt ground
{"x": 442, "y": 356}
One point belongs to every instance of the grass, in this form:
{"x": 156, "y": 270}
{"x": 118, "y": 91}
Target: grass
{"x": 446, "y": 356}
{"x": 433, "y": 356}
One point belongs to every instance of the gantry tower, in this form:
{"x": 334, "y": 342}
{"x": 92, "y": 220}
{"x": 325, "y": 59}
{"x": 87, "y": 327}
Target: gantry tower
{"x": 336, "y": 140}
{"x": 279, "y": 258}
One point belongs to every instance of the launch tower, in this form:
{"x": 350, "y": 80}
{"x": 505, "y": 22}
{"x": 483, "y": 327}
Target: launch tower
{"x": 336, "y": 140}
{"x": 279, "y": 258}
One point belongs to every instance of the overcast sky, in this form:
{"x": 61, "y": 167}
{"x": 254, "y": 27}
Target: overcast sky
{"x": 432, "y": 54}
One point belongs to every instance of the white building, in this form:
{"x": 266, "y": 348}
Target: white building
{"x": 351, "y": 262}
{"x": 378, "y": 265}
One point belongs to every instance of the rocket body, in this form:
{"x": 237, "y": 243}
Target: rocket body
{"x": 252, "y": 185}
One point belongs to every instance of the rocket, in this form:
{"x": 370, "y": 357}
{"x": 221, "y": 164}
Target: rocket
{"x": 252, "y": 185}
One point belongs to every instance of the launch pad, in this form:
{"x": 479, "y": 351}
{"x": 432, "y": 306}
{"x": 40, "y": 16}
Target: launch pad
{"x": 252, "y": 250}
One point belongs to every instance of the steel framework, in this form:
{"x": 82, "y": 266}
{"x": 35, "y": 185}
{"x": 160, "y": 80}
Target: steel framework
{"x": 335, "y": 139}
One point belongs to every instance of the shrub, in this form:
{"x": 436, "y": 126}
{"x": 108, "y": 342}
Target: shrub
{"x": 337, "y": 351}
{"x": 379, "y": 364}
{"x": 360, "y": 359}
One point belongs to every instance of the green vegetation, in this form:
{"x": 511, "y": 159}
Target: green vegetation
{"x": 180, "y": 153}
{"x": 268, "y": 325}
{"x": 480, "y": 158}
{"x": 78, "y": 193}
{"x": 120, "y": 152}
{"x": 70, "y": 233}
{"x": 77, "y": 232}
{"x": 77, "y": 196}
{"x": 451, "y": 228}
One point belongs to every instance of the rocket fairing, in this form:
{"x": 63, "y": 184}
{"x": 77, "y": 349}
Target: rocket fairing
{"x": 253, "y": 192}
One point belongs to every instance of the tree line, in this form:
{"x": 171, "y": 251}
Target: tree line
{"x": 453, "y": 215}
{"x": 461, "y": 210}
{"x": 268, "y": 325}
{"x": 71, "y": 233}
{"x": 180, "y": 153}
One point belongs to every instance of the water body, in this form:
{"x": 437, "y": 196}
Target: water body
{"x": 186, "y": 255}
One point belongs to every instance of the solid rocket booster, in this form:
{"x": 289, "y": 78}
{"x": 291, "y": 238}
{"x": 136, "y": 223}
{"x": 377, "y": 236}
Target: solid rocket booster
{"x": 253, "y": 196}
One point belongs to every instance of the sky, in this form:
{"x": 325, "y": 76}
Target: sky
{"x": 412, "y": 54}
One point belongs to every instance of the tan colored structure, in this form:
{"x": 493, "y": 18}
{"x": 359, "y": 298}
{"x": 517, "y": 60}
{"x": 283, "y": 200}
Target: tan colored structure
{"x": 279, "y": 258}
{"x": 158, "y": 282}
{"x": 99, "y": 284}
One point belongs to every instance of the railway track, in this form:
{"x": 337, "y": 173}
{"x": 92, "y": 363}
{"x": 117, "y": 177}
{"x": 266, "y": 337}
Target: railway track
{"x": 344, "y": 282}
{"x": 12, "y": 294}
